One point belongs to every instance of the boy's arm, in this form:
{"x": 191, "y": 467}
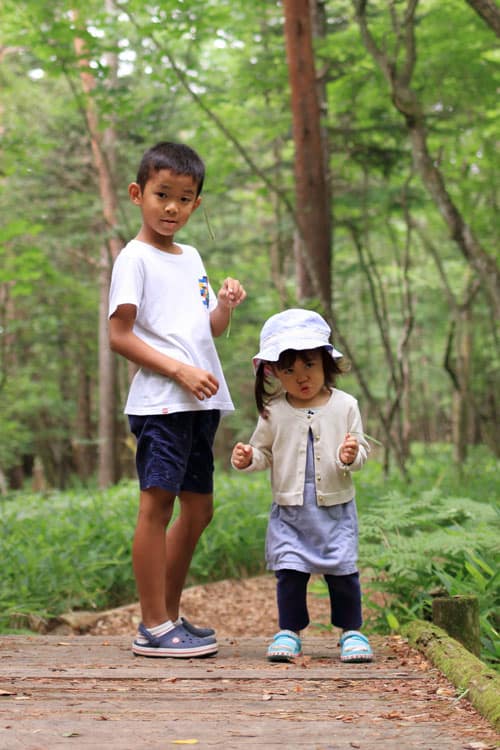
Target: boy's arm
{"x": 230, "y": 295}
{"x": 123, "y": 340}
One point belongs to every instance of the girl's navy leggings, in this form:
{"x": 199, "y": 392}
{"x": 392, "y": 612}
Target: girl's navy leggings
{"x": 345, "y": 600}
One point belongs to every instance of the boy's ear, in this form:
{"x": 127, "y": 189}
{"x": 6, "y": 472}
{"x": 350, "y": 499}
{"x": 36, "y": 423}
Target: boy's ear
{"x": 197, "y": 203}
{"x": 135, "y": 193}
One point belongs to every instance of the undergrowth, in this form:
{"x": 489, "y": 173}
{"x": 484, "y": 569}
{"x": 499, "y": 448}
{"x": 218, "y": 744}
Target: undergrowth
{"x": 438, "y": 534}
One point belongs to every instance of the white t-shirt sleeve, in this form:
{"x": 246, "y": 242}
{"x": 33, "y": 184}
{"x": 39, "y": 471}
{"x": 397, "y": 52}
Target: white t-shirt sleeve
{"x": 127, "y": 282}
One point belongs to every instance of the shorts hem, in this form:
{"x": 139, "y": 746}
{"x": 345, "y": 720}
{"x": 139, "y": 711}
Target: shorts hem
{"x": 162, "y": 485}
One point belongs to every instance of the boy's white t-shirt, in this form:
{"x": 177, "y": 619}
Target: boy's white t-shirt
{"x": 173, "y": 299}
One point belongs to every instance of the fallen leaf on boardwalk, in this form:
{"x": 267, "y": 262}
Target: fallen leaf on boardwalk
{"x": 355, "y": 744}
{"x": 392, "y": 715}
{"x": 71, "y": 734}
{"x": 478, "y": 746}
{"x": 302, "y": 661}
{"x": 185, "y": 742}
{"x": 267, "y": 697}
{"x": 7, "y": 692}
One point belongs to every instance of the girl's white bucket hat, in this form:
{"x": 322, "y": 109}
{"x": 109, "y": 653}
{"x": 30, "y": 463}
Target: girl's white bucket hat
{"x": 293, "y": 329}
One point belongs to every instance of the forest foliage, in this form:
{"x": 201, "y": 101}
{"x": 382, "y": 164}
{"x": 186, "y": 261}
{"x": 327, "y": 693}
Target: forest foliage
{"x": 70, "y": 550}
{"x": 413, "y": 310}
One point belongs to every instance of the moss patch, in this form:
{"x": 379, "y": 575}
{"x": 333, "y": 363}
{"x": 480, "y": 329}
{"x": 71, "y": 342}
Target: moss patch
{"x": 464, "y": 670}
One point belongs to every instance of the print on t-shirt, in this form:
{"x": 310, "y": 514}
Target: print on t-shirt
{"x": 203, "y": 284}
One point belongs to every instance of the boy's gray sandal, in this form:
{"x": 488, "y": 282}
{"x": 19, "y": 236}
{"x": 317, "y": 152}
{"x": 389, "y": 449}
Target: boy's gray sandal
{"x": 194, "y": 630}
{"x": 355, "y": 647}
{"x": 285, "y": 646}
{"x": 177, "y": 643}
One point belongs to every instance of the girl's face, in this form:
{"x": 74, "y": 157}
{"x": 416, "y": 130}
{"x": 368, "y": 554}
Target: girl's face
{"x": 304, "y": 380}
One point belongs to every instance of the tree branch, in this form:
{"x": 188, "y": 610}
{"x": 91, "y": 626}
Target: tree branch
{"x": 489, "y": 11}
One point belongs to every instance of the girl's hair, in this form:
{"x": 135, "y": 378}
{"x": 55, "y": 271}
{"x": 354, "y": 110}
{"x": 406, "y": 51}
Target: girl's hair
{"x": 265, "y": 389}
{"x": 177, "y": 157}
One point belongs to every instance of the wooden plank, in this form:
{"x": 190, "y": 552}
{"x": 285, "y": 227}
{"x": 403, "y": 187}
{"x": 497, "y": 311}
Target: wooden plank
{"x": 87, "y": 692}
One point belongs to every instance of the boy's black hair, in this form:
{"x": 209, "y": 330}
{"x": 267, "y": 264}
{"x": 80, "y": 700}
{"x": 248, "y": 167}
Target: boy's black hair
{"x": 177, "y": 157}
{"x": 264, "y": 390}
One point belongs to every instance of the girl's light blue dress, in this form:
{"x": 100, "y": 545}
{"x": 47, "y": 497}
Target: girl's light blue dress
{"x": 311, "y": 538}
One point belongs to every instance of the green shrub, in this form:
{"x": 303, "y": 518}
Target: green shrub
{"x": 71, "y": 550}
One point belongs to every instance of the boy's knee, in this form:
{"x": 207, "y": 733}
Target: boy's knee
{"x": 156, "y": 504}
{"x": 205, "y": 516}
{"x": 197, "y": 510}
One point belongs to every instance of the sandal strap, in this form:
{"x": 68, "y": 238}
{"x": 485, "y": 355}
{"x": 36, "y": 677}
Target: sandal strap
{"x": 284, "y": 634}
{"x": 148, "y": 635}
{"x": 354, "y": 634}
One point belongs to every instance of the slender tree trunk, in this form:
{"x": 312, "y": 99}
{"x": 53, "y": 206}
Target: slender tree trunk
{"x": 460, "y": 375}
{"x": 312, "y": 195}
{"x": 458, "y": 358}
{"x": 398, "y": 74}
{"x": 83, "y": 445}
{"x": 103, "y": 147}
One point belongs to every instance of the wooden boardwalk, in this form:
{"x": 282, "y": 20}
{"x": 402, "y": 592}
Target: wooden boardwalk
{"x": 90, "y": 692}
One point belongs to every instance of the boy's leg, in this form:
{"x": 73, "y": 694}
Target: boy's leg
{"x": 196, "y": 511}
{"x": 196, "y": 506}
{"x": 148, "y": 553}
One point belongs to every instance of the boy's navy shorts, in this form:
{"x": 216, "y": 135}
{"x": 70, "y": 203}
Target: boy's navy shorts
{"x": 174, "y": 451}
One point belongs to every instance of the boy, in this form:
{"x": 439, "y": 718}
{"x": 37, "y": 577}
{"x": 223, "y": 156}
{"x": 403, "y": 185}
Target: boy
{"x": 163, "y": 316}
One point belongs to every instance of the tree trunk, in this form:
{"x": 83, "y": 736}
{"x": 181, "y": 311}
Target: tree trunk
{"x": 83, "y": 449}
{"x": 459, "y": 616}
{"x": 312, "y": 195}
{"x": 103, "y": 152}
{"x": 462, "y": 395}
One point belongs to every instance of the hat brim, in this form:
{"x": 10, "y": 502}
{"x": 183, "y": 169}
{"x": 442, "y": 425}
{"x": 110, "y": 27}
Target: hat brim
{"x": 269, "y": 354}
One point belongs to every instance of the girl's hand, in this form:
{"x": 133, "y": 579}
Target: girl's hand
{"x": 231, "y": 294}
{"x": 349, "y": 449}
{"x": 242, "y": 456}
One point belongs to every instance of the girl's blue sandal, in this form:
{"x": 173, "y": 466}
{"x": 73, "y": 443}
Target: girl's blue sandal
{"x": 285, "y": 646}
{"x": 355, "y": 647}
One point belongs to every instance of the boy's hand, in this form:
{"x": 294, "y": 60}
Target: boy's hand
{"x": 242, "y": 456}
{"x": 200, "y": 383}
{"x": 348, "y": 449}
{"x": 231, "y": 294}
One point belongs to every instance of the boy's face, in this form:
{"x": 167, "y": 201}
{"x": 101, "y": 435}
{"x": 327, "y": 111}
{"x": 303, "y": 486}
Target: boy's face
{"x": 166, "y": 203}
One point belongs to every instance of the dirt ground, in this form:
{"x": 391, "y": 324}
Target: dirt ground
{"x": 234, "y": 608}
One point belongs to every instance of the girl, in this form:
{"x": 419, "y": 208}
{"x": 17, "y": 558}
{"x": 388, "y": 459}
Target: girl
{"x": 311, "y": 435}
